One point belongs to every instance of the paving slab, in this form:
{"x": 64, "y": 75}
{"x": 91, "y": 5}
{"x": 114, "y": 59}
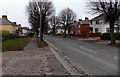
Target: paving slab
{"x": 32, "y": 45}
{"x": 36, "y": 65}
{"x": 34, "y": 62}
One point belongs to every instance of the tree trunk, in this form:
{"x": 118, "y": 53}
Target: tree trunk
{"x": 113, "y": 41}
{"x": 53, "y": 30}
{"x": 37, "y": 32}
{"x": 65, "y": 32}
{"x": 42, "y": 28}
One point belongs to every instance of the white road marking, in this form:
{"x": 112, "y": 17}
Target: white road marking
{"x": 115, "y": 57}
{"x": 87, "y": 49}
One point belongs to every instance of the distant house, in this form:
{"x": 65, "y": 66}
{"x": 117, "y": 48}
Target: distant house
{"x": 49, "y": 30}
{"x": 7, "y": 25}
{"x": 80, "y": 27}
{"x": 25, "y": 30}
{"x": 59, "y": 30}
{"x": 100, "y": 24}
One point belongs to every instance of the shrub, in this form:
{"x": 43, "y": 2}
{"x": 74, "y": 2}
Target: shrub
{"x": 6, "y": 35}
{"x": 31, "y": 34}
{"x": 117, "y": 36}
{"x": 106, "y": 36}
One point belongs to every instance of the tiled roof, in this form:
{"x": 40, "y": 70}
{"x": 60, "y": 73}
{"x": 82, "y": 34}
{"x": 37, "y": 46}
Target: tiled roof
{"x": 101, "y": 16}
{"x": 5, "y": 22}
{"x": 75, "y": 23}
{"x": 85, "y": 22}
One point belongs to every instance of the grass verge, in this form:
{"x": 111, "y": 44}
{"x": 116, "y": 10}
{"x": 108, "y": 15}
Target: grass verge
{"x": 14, "y": 44}
{"x": 42, "y": 44}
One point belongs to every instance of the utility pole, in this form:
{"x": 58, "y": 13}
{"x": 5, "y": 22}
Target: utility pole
{"x": 40, "y": 30}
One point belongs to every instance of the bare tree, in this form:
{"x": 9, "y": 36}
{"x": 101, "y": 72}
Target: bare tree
{"x": 38, "y": 12}
{"x": 67, "y": 17}
{"x": 111, "y": 8}
{"x": 54, "y": 20}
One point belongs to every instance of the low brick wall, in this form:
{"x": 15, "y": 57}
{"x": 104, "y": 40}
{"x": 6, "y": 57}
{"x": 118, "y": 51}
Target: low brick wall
{"x": 83, "y": 35}
{"x": 94, "y": 34}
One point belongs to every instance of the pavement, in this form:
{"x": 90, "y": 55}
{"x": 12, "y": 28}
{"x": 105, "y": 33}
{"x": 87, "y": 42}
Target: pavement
{"x": 94, "y": 40}
{"x": 93, "y": 58}
{"x": 32, "y": 61}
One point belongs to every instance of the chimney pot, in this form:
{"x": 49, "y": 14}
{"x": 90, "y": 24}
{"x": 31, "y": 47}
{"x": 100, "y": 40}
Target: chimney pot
{"x": 14, "y": 23}
{"x": 86, "y": 18}
{"x": 80, "y": 19}
{"x": 4, "y": 16}
{"x": 19, "y": 24}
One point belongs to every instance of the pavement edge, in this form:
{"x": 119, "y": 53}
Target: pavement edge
{"x": 70, "y": 68}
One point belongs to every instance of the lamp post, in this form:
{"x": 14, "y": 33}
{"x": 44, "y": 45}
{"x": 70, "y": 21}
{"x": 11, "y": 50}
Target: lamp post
{"x": 40, "y": 11}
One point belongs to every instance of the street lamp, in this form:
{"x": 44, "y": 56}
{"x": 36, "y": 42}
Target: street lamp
{"x": 40, "y": 11}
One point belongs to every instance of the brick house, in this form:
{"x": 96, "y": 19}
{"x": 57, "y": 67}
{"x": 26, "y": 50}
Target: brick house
{"x": 80, "y": 28}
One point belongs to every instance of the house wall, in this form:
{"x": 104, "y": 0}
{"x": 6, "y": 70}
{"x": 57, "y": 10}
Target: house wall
{"x": 84, "y": 29}
{"x": 102, "y": 26}
{"x": 8, "y": 27}
{"x": 24, "y": 31}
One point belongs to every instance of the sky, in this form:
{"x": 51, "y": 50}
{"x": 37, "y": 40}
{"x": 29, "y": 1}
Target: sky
{"x": 15, "y": 9}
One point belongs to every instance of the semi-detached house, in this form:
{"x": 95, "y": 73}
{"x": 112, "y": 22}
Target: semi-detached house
{"x": 7, "y": 25}
{"x": 99, "y": 24}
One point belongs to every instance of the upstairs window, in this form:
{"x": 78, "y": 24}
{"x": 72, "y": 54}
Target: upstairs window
{"x": 78, "y": 26}
{"x": 91, "y": 22}
{"x": 106, "y": 20}
{"x": 97, "y": 21}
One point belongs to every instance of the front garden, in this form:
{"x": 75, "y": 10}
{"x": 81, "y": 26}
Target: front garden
{"x": 11, "y": 42}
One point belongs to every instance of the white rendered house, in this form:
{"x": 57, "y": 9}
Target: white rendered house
{"x": 100, "y": 24}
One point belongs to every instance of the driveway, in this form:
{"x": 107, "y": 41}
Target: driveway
{"x": 95, "y": 59}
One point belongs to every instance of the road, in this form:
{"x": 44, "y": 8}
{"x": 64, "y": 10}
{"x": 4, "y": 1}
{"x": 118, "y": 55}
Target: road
{"x": 95, "y": 59}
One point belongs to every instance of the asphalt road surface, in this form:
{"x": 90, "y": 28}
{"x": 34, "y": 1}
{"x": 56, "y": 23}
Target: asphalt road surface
{"x": 95, "y": 59}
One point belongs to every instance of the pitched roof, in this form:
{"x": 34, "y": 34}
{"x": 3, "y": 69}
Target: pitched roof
{"x": 101, "y": 16}
{"x": 85, "y": 22}
{"x": 5, "y": 22}
{"x": 75, "y": 23}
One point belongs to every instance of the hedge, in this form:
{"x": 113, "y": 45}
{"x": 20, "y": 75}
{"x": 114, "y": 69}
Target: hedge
{"x": 106, "y": 36}
{"x": 6, "y": 35}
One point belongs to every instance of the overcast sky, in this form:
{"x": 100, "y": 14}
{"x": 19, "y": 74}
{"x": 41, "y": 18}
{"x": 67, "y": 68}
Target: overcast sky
{"x": 15, "y": 9}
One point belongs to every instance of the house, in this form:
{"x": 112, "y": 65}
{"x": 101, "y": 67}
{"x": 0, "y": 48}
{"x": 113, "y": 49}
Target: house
{"x": 59, "y": 30}
{"x": 49, "y": 30}
{"x": 80, "y": 27}
{"x": 7, "y": 25}
{"x": 99, "y": 24}
{"x": 25, "y": 30}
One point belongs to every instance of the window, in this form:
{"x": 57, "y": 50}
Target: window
{"x": 96, "y": 30}
{"x": 91, "y": 22}
{"x": 117, "y": 29}
{"x": 107, "y": 29}
{"x": 78, "y": 26}
{"x": 78, "y": 31}
{"x": 97, "y": 21}
{"x": 106, "y": 20}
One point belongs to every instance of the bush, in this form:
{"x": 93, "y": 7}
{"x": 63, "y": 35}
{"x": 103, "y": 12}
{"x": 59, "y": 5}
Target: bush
{"x": 106, "y": 36}
{"x": 31, "y": 34}
{"x": 6, "y": 35}
{"x": 117, "y": 36}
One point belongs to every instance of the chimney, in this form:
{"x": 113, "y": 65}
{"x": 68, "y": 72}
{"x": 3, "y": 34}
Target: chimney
{"x": 4, "y": 16}
{"x": 80, "y": 20}
{"x": 14, "y": 23}
{"x": 86, "y": 18}
{"x": 19, "y": 24}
